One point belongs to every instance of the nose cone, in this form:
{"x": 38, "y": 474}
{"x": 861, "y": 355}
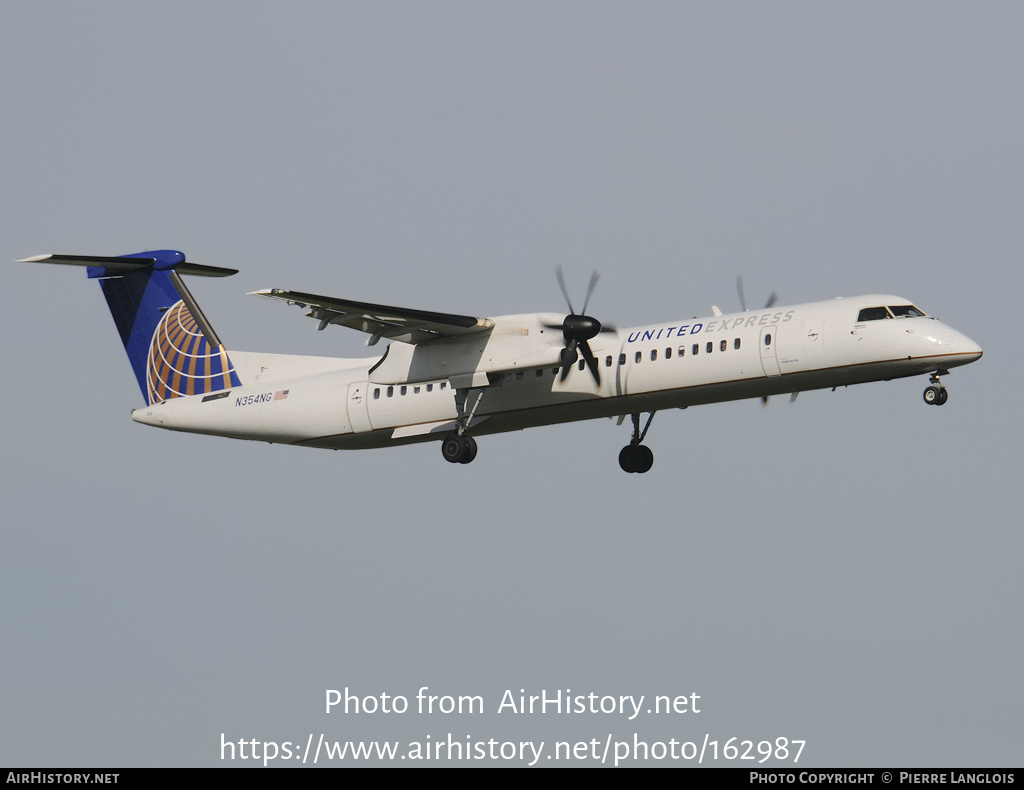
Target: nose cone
{"x": 965, "y": 348}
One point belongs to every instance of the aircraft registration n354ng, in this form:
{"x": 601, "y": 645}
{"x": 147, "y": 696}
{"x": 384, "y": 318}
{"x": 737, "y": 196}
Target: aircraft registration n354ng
{"x": 451, "y": 378}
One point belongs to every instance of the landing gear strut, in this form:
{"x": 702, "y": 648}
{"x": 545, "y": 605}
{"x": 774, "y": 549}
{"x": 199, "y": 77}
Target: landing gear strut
{"x": 636, "y": 457}
{"x": 936, "y": 394}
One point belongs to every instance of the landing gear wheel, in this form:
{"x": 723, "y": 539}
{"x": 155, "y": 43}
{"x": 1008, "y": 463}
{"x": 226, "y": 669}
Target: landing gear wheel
{"x": 451, "y": 448}
{"x": 636, "y": 458}
{"x": 470, "y": 453}
{"x": 935, "y": 396}
{"x": 458, "y": 449}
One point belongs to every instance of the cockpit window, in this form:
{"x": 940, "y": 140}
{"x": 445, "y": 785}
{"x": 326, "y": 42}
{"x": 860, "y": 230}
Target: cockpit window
{"x": 873, "y": 314}
{"x": 906, "y": 311}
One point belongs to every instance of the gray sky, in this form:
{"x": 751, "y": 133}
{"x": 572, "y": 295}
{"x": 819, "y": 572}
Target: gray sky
{"x": 845, "y": 570}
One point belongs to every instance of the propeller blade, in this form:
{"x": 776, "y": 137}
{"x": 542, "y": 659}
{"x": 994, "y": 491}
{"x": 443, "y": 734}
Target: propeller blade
{"x": 569, "y": 354}
{"x": 588, "y": 355}
{"x": 590, "y": 289}
{"x": 569, "y": 357}
{"x": 565, "y": 291}
{"x": 743, "y": 302}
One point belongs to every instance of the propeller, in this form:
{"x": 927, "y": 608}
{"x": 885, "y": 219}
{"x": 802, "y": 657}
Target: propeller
{"x": 578, "y": 329}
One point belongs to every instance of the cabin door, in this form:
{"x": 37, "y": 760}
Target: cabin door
{"x": 769, "y": 361}
{"x": 359, "y": 407}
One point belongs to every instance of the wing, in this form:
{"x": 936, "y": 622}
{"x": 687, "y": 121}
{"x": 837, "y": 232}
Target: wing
{"x": 378, "y": 320}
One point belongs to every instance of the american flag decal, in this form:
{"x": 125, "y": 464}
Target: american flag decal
{"x": 281, "y": 394}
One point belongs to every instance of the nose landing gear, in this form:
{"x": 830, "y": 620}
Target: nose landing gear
{"x": 936, "y": 394}
{"x": 636, "y": 457}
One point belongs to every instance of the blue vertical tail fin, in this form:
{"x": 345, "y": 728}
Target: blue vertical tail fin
{"x": 172, "y": 347}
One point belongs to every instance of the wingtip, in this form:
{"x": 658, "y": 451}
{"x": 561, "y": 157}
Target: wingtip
{"x": 35, "y": 258}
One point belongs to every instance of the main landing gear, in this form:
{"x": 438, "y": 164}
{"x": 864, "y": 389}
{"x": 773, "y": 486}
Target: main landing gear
{"x": 457, "y": 448}
{"x": 636, "y": 457}
{"x": 936, "y": 394}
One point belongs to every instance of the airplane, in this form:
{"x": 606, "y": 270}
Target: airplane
{"x": 452, "y": 378}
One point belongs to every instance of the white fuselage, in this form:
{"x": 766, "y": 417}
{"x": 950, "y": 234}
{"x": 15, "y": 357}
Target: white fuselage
{"x": 406, "y": 396}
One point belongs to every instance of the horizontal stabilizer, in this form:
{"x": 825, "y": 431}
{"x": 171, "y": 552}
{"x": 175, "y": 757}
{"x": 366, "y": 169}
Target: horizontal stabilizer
{"x": 114, "y": 265}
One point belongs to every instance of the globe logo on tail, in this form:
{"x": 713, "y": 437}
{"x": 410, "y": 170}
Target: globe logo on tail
{"x": 181, "y": 362}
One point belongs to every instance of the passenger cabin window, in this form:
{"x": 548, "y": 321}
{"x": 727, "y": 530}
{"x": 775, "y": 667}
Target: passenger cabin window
{"x": 682, "y": 351}
{"x": 622, "y": 359}
{"x": 711, "y": 347}
{"x": 639, "y": 355}
{"x": 695, "y": 349}
{"x": 906, "y": 311}
{"x": 736, "y": 344}
{"x": 873, "y": 314}
{"x": 723, "y": 345}
{"x": 654, "y": 355}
